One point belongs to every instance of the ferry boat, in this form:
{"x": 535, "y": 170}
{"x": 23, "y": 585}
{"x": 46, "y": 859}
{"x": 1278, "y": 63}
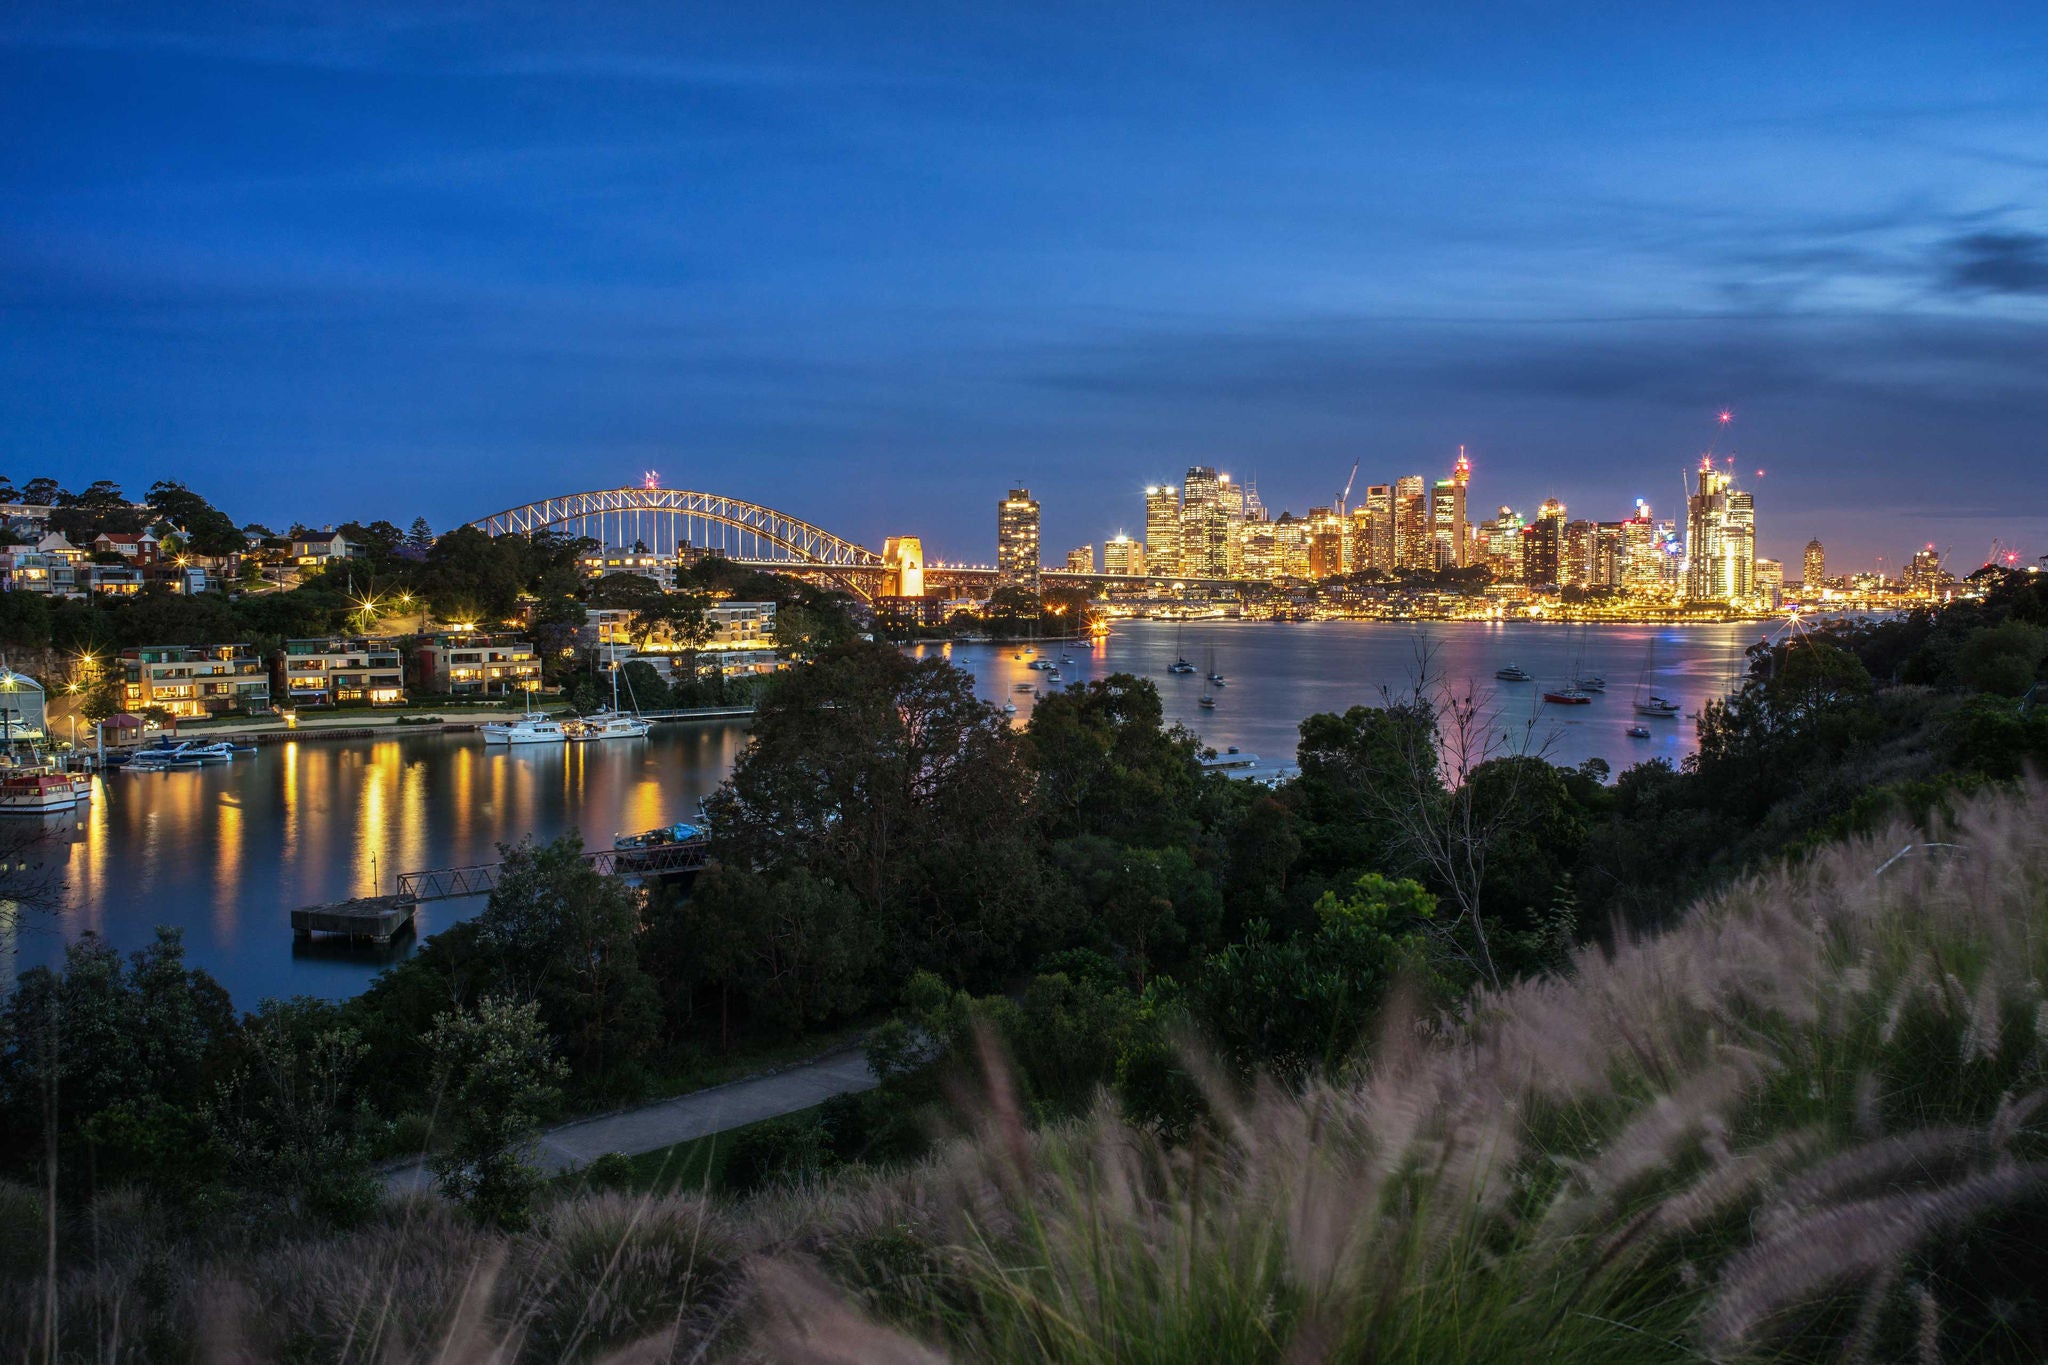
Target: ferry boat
{"x": 43, "y": 791}
{"x": 1511, "y": 673}
{"x": 1569, "y": 696}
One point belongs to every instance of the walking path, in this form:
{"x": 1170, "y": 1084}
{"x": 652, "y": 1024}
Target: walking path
{"x": 664, "y": 1123}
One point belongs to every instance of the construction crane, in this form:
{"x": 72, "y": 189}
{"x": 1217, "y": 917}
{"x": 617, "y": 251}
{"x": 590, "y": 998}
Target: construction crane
{"x": 1344, "y": 498}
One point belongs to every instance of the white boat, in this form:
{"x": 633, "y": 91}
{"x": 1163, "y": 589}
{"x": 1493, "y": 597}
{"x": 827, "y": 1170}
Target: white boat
{"x": 1009, "y": 708}
{"x": 208, "y": 753}
{"x": 607, "y": 725}
{"x": 1511, "y": 673}
{"x": 1180, "y": 666}
{"x": 1592, "y": 682}
{"x": 1658, "y": 707}
{"x": 527, "y": 730}
{"x": 1638, "y": 732}
{"x": 43, "y": 791}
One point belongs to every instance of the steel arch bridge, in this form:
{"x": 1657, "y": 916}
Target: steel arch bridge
{"x": 669, "y": 520}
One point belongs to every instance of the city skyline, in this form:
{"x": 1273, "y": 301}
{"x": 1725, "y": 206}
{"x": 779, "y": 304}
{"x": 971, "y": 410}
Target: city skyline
{"x": 866, "y": 267}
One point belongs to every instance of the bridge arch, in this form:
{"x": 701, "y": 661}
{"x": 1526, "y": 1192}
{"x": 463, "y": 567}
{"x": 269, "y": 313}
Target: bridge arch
{"x": 667, "y": 520}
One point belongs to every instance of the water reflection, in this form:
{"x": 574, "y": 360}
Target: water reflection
{"x": 227, "y": 852}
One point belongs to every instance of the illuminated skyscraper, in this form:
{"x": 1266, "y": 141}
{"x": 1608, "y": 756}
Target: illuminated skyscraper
{"x": 1575, "y": 570}
{"x": 1413, "y": 548}
{"x": 1720, "y": 539}
{"x": 1372, "y": 545}
{"x": 1447, "y": 516}
{"x": 1081, "y": 559}
{"x": 1325, "y": 542}
{"x": 1642, "y": 552}
{"x": 1162, "y": 530}
{"x": 1017, "y": 540}
{"x": 1816, "y": 566}
{"x": 1230, "y": 498}
{"x": 1503, "y": 540}
{"x": 1204, "y": 524}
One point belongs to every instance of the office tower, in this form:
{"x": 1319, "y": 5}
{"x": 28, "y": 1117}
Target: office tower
{"x": 1204, "y": 524}
{"x": 1162, "y": 530}
{"x": 1503, "y": 541}
{"x": 1923, "y": 575}
{"x": 1290, "y": 546}
{"x": 1325, "y": 542}
{"x": 1413, "y": 548}
{"x": 1376, "y": 551}
{"x": 1447, "y": 516}
{"x": 1254, "y": 510}
{"x": 1122, "y": 555}
{"x": 1081, "y": 559}
{"x": 1230, "y": 497}
{"x": 1543, "y": 545}
{"x": 1816, "y": 566}
{"x": 1609, "y": 549}
{"x": 1017, "y": 540}
{"x": 1261, "y": 549}
{"x": 1576, "y": 569}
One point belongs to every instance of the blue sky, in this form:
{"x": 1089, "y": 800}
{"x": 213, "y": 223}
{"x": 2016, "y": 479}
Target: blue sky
{"x": 873, "y": 263}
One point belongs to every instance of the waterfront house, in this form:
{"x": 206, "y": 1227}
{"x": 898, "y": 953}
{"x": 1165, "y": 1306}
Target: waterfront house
{"x": 472, "y": 663}
{"x": 193, "y": 681}
{"x": 341, "y": 670}
{"x": 139, "y": 547}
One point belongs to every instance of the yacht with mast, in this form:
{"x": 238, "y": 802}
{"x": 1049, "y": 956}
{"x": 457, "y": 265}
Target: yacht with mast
{"x": 612, "y": 723}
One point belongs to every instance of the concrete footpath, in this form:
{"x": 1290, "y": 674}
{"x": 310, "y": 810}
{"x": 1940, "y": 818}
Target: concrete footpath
{"x": 664, "y": 1123}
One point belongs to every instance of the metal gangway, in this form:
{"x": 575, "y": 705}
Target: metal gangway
{"x": 663, "y": 860}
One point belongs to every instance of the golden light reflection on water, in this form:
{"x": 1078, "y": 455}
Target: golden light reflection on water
{"x": 226, "y": 852}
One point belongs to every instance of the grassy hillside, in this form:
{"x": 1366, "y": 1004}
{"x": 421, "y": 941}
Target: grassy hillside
{"x": 1808, "y": 1121}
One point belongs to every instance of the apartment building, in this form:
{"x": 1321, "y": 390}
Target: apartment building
{"x": 193, "y": 681}
{"x": 476, "y": 664}
{"x": 341, "y": 670}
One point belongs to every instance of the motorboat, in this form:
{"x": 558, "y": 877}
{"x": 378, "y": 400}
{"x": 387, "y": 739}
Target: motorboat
{"x": 681, "y": 832}
{"x": 43, "y": 791}
{"x": 1216, "y": 679}
{"x": 526, "y": 730}
{"x": 1511, "y": 673}
{"x": 607, "y": 725}
{"x": 1638, "y": 732}
{"x": 209, "y": 753}
{"x": 1022, "y": 687}
{"x": 1591, "y": 683}
{"x": 655, "y": 850}
{"x": 1042, "y": 665}
{"x": 1568, "y": 696}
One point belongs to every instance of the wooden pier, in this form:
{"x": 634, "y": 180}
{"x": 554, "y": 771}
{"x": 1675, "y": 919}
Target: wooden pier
{"x": 376, "y": 918}
{"x": 661, "y": 860}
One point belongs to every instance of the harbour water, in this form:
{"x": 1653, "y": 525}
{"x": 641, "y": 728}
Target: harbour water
{"x": 227, "y": 852}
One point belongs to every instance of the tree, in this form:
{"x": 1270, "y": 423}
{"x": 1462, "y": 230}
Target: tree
{"x": 890, "y": 778}
{"x": 497, "y": 1079}
{"x": 101, "y": 507}
{"x": 24, "y": 620}
{"x": 2004, "y": 659}
{"x": 1293, "y": 1005}
{"x": 558, "y": 933}
{"x": 419, "y": 537}
{"x": 207, "y": 530}
{"x": 799, "y": 951}
{"x": 1107, "y": 764}
{"x": 287, "y": 1115}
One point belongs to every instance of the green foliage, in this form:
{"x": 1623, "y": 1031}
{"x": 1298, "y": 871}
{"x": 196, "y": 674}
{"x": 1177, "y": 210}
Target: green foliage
{"x": 2004, "y": 659}
{"x": 498, "y": 1078}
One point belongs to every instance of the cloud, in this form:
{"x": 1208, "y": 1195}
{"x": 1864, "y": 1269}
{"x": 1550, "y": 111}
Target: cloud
{"x": 1997, "y": 263}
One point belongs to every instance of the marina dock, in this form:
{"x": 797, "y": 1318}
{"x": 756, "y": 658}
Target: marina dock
{"x": 376, "y": 918}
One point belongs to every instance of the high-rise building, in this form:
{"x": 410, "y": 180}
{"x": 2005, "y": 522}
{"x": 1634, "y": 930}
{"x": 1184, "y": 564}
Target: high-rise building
{"x": 1816, "y": 566}
{"x": 1204, "y": 524}
{"x": 1162, "y": 530}
{"x": 1081, "y": 559}
{"x": 1017, "y": 562}
{"x": 1720, "y": 539}
{"x": 1642, "y": 552}
{"x": 1543, "y": 545}
{"x": 1230, "y": 498}
{"x": 1447, "y": 516}
{"x": 1770, "y": 582}
{"x": 1261, "y": 548}
{"x": 1413, "y": 548}
{"x": 1575, "y": 570}
{"x": 1325, "y": 542}
{"x": 1122, "y": 555}
{"x": 1924, "y": 576}
{"x": 1503, "y": 546}
{"x": 1375, "y": 548}
{"x": 1603, "y": 569}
